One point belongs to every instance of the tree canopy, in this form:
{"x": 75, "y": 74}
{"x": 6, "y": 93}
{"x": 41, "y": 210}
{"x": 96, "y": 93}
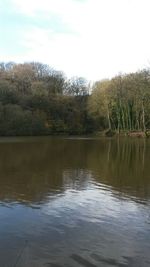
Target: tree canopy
{"x": 35, "y": 99}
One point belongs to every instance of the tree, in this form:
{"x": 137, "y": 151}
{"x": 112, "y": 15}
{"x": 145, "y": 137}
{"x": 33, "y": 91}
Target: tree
{"x": 77, "y": 86}
{"x": 101, "y": 101}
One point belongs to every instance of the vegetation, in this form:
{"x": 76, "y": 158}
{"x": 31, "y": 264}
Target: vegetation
{"x": 37, "y": 100}
{"x": 123, "y": 103}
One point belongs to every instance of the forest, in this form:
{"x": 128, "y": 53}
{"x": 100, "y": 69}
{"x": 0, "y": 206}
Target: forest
{"x": 35, "y": 99}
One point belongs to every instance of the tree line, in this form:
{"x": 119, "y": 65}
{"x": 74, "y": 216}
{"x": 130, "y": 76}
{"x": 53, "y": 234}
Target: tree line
{"x": 123, "y": 102}
{"x": 38, "y": 100}
{"x": 35, "y": 99}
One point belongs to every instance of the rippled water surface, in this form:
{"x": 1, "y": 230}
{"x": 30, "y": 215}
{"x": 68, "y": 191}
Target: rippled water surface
{"x": 74, "y": 202}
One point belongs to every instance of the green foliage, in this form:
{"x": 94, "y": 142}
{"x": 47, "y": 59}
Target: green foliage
{"x": 38, "y": 100}
{"x": 35, "y": 100}
{"x": 123, "y": 102}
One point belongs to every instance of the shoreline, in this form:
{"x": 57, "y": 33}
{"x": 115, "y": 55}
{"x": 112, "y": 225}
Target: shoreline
{"x": 98, "y": 134}
{"x": 132, "y": 134}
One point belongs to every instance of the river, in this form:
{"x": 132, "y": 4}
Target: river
{"x": 74, "y": 202}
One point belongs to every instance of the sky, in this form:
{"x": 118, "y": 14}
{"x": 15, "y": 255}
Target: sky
{"x": 95, "y": 39}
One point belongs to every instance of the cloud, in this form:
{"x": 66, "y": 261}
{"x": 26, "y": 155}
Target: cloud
{"x": 96, "y": 38}
{"x": 34, "y": 7}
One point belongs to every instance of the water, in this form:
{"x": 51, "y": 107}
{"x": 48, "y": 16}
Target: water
{"x": 74, "y": 202}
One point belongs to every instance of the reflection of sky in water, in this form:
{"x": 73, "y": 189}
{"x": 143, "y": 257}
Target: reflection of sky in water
{"x": 89, "y": 208}
{"x": 116, "y": 225}
{"x": 91, "y": 201}
{"x": 85, "y": 221}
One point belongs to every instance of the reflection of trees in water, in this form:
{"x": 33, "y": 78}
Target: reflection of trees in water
{"x": 32, "y": 169}
{"x": 124, "y": 164}
{"x": 77, "y": 179}
{"x": 27, "y": 171}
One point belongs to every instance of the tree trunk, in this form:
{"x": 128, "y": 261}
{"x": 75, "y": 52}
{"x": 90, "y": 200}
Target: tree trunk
{"x": 108, "y": 117}
{"x": 143, "y": 116}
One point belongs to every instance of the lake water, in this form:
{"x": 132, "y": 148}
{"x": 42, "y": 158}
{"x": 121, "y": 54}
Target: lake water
{"x": 74, "y": 202}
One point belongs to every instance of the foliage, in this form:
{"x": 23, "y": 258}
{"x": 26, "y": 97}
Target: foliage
{"x": 123, "y": 102}
{"x": 38, "y": 100}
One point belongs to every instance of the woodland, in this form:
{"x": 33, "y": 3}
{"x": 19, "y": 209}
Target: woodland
{"x": 35, "y": 99}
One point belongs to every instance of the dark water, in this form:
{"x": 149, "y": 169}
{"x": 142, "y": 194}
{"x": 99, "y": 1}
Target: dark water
{"x": 74, "y": 202}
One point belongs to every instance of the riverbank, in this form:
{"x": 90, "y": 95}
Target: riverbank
{"x": 98, "y": 134}
{"x": 111, "y": 133}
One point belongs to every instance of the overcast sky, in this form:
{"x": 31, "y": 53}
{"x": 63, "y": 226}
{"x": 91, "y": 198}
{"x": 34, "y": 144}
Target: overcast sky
{"x": 91, "y": 38}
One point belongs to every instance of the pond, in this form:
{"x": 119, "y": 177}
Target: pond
{"x": 74, "y": 202}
